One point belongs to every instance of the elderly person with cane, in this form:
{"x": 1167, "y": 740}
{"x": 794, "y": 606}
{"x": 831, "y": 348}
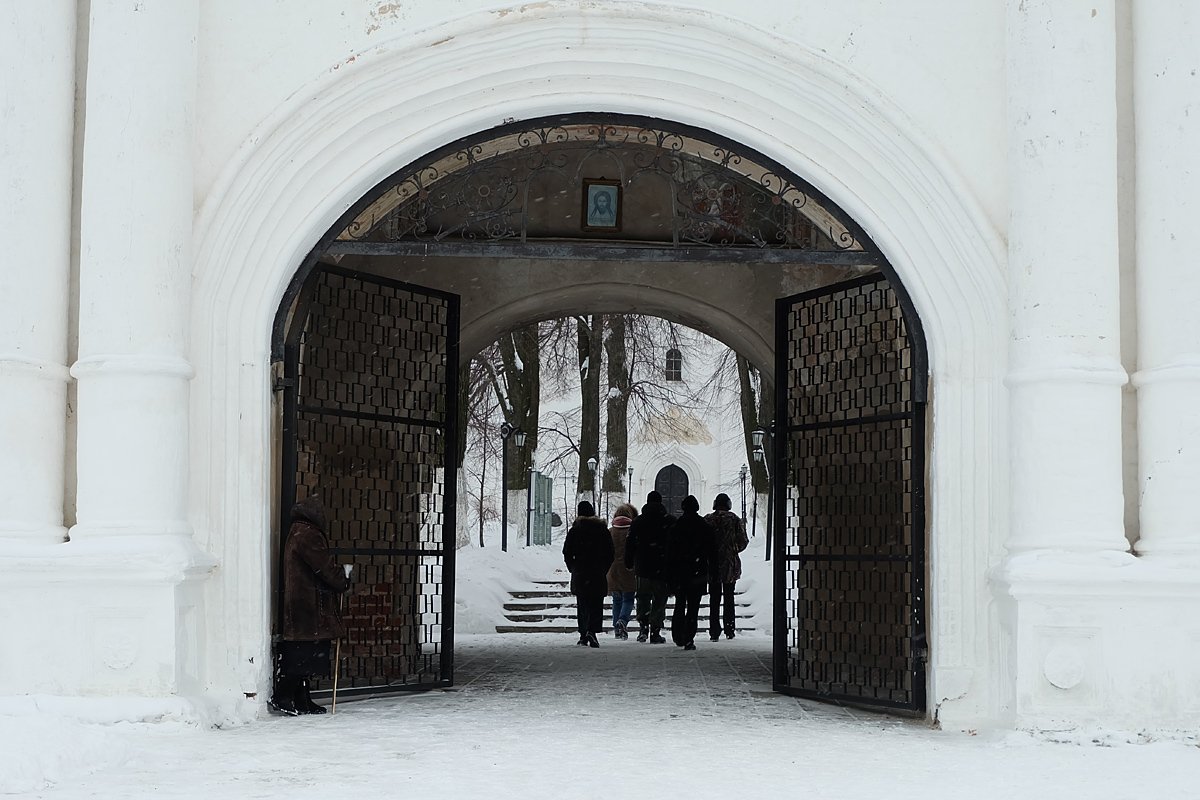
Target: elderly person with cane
{"x": 312, "y": 582}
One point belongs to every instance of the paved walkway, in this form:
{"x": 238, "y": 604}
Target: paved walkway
{"x": 726, "y": 681}
{"x": 534, "y": 716}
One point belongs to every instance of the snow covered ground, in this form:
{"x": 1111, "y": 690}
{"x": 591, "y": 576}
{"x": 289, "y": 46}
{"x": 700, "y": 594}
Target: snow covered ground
{"x": 532, "y": 716}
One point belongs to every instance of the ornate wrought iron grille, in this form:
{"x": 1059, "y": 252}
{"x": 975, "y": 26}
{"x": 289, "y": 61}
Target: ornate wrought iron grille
{"x": 849, "y": 484}
{"x": 371, "y": 371}
{"x": 522, "y": 185}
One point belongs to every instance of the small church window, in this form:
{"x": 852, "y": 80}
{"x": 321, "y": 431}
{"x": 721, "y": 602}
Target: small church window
{"x": 674, "y": 365}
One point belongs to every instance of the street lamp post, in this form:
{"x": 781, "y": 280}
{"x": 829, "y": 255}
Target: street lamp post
{"x": 529, "y": 508}
{"x": 518, "y": 436}
{"x": 629, "y": 488}
{"x": 742, "y": 475}
{"x": 759, "y": 458}
{"x": 591, "y": 464}
{"x": 757, "y": 437}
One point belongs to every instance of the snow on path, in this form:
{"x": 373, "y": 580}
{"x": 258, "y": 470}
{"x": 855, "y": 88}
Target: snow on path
{"x": 533, "y": 716}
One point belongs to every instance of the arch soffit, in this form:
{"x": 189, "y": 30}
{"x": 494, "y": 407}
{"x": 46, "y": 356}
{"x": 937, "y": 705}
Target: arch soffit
{"x": 715, "y": 321}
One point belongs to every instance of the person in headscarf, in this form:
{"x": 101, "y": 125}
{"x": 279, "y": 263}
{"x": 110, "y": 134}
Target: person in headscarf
{"x": 588, "y": 553}
{"x": 729, "y": 539}
{"x": 622, "y": 583}
{"x": 311, "y": 617}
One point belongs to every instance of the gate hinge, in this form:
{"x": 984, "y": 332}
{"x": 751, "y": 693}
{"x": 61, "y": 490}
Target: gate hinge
{"x": 283, "y": 383}
{"x": 920, "y": 649}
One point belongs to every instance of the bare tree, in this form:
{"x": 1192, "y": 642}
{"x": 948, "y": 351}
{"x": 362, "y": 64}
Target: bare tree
{"x": 479, "y": 438}
{"x": 616, "y": 429}
{"x": 512, "y": 369}
{"x": 590, "y": 351}
{"x": 755, "y": 411}
{"x": 627, "y": 353}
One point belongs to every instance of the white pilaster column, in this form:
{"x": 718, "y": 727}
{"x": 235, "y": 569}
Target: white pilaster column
{"x": 1167, "y": 114}
{"x": 135, "y": 258}
{"x": 37, "y": 118}
{"x": 1066, "y": 375}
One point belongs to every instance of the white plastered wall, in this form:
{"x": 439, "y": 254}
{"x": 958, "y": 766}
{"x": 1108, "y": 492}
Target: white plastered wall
{"x": 333, "y": 140}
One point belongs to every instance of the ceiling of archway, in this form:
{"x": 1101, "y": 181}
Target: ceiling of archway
{"x": 544, "y": 184}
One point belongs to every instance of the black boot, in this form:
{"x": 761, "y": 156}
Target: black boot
{"x": 657, "y": 638}
{"x": 592, "y": 641}
{"x": 643, "y": 632}
{"x": 304, "y": 701}
{"x": 284, "y": 699}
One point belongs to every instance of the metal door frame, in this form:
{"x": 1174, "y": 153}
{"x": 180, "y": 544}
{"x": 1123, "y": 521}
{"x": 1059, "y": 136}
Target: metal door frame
{"x": 918, "y": 632}
{"x": 289, "y": 385}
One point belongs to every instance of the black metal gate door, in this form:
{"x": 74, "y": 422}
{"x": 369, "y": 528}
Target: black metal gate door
{"x": 370, "y": 381}
{"x": 849, "y": 498}
{"x": 672, "y": 483}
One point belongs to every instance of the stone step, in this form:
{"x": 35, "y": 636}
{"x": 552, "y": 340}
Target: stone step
{"x": 525, "y": 594}
{"x": 551, "y": 606}
{"x": 701, "y": 634}
{"x": 541, "y": 617}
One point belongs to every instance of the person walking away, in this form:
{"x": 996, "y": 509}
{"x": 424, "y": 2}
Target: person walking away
{"x": 729, "y": 539}
{"x": 622, "y": 583}
{"x": 311, "y": 619}
{"x": 588, "y": 552}
{"x": 646, "y": 555}
{"x": 689, "y": 553}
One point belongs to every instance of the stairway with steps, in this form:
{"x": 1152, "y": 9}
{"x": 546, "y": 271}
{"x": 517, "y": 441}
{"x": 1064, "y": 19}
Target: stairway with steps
{"x": 549, "y": 607}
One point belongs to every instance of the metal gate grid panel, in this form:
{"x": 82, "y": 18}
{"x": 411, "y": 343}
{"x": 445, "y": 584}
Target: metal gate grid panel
{"x": 849, "y": 496}
{"x": 374, "y": 366}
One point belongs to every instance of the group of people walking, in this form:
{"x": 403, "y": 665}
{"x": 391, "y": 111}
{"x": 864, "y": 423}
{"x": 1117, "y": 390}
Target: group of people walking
{"x": 643, "y": 559}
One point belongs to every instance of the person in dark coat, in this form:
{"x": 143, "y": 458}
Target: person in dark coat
{"x": 588, "y": 551}
{"x": 646, "y": 555}
{"x": 311, "y": 619}
{"x": 622, "y": 583}
{"x": 689, "y": 551}
{"x": 729, "y": 539}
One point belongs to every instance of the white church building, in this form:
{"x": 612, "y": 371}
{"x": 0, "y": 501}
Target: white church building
{"x": 248, "y": 243}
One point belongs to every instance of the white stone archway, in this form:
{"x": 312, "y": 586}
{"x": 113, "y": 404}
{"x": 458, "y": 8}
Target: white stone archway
{"x": 312, "y": 159}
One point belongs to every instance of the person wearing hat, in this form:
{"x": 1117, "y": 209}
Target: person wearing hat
{"x": 311, "y": 618}
{"x": 729, "y": 539}
{"x": 588, "y": 552}
{"x": 689, "y": 556}
{"x": 621, "y": 581}
{"x": 646, "y": 555}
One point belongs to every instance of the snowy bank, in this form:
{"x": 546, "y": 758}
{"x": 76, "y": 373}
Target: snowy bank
{"x": 485, "y": 575}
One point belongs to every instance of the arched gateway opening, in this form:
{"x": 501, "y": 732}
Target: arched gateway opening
{"x": 608, "y": 213}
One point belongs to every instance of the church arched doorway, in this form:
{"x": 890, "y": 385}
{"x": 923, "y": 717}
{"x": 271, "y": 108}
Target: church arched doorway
{"x": 509, "y": 224}
{"x": 672, "y": 483}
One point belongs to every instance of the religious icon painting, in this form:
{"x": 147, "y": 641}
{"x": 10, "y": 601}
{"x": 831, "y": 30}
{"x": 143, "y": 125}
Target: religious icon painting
{"x": 601, "y": 205}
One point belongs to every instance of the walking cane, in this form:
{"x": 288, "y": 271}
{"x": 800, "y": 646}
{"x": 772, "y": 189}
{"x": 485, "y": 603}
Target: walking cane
{"x": 337, "y": 648}
{"x": 337, "y": 661}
